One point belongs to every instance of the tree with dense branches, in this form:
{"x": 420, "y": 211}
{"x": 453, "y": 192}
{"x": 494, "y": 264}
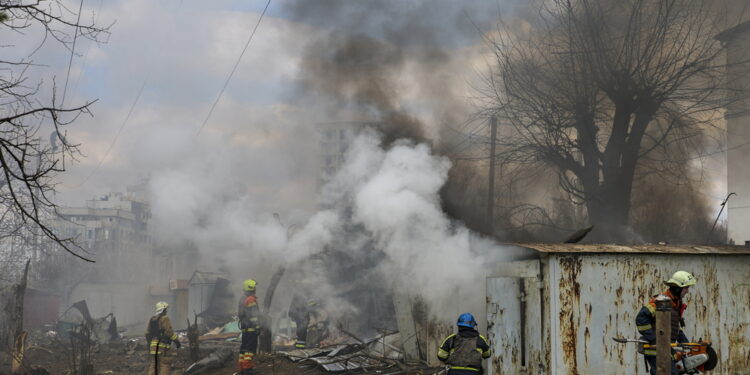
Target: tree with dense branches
{"x": 28, "y": 113}
{"x": 602, "y": 92}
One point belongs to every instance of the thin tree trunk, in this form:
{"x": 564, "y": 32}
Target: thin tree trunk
{"x": 18, "y": 340}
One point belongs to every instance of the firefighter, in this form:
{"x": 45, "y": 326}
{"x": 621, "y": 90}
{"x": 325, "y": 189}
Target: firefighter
{"x": 645, "y": 321}
{"x": 250, "y": 326}
{"x": 303, "y": 310}
{"x": 299, "y": 312}
{"x": 464, "y": 351}
{"x": 160, "y": 337}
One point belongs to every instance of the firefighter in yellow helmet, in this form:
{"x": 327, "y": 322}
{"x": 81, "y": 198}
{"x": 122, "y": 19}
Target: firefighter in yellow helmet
{"x": 645, "y": 321}
{"x": 248, "y": 315}
{"x": 160, "y": 337}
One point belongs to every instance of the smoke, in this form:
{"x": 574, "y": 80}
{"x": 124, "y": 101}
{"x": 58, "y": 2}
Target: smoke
{"x": 393, "y": 194}
{"x": 404, "y": 65}
{"x": 404, "y": 68}
{"x": 388, "y": 196}
{"x": 361, "y": 72}
{"x": 382, "y": 208}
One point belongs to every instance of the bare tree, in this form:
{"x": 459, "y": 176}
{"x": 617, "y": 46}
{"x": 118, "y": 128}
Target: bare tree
{"x": 602, "y": 91}
{"x": 28, "y": 165}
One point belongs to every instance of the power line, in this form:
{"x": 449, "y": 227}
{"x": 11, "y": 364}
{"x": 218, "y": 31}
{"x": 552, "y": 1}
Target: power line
{"x": 72, "y": 53}
{"x": 127, "y": 117}
{"x": 114, "y": 140}
{"x": 86, "y": 55}
{"x": 236, "y": 64}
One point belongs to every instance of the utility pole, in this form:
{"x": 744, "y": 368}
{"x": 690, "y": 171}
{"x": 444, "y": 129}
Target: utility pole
{"x": 723, "y": 204}
{"x": 491, "y": 192}
{"x": 663, "y": 336}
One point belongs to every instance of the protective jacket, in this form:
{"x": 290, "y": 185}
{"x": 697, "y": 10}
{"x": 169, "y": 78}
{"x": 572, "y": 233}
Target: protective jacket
{"x": 249, "y": 313}
{"x": 464, "y": 350}
{"x": 160, "y": 334}
{"x": 300, "y": 311}
{"x": 646, "y": 320}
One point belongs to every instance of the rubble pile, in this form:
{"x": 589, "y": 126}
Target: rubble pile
{"x": 379, "y": 355}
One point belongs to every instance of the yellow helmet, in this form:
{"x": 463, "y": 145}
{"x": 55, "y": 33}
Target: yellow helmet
{"x": 161, "y": 306}
{"x": 249, "y": 285}
{"x": 681, "y": 279}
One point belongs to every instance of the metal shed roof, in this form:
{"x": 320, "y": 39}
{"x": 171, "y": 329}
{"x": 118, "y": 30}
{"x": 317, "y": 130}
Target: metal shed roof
{"x": 732, "y": 32}
{"x": 635, "y": 249}
{"x": 202, "y": 278}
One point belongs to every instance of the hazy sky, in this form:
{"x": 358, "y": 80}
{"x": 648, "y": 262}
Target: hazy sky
{"x": 183, "y": 51}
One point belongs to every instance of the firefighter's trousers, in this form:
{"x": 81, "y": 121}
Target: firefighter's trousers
{"x": 248, "y": 348}
{"x": 161, "y": 363}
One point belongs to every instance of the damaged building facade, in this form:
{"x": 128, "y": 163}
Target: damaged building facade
{"x": 557, "y": 314}
{"x": 114, "y": 230}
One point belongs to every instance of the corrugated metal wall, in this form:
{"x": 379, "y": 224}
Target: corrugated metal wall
{"x": 588, "y": 299}
{"x": 517, "y": 345}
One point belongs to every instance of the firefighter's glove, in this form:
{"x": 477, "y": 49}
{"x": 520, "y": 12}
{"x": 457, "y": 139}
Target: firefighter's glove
{"x": 177, "y": 344}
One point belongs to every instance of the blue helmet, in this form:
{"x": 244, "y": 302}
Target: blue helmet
{"x": 466, "y": 320}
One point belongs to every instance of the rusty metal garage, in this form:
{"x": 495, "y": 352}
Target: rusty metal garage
{"x": 557, "y": 314}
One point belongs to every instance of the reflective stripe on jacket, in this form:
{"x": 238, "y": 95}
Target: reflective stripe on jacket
{"x": 448, "y": 347}
{"x": 248, "y": 313}
{"x": 164, "y": 336}
{"x": 645, "y": 321}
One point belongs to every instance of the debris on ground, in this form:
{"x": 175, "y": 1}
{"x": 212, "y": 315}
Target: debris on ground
{"x": 213, "y": 361}
{"x": 53, "y": 355}
{"x": 378, "y": 354}
{"x": 104, "y": 329}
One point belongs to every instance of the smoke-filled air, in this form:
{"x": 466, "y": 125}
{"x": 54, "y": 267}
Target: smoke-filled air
{"x": 393, "y": 187}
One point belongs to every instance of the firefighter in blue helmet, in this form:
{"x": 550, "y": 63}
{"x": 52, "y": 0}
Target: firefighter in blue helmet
{"x": 464, "y": 351}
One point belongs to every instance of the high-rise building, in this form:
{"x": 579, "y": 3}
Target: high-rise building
{"x": 112, "y": 230}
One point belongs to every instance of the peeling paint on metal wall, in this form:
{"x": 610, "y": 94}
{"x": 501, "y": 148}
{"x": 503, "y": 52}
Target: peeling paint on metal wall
{"x": 599, "y": 296}
{"x": 569, "y": 313}
{"x": 504, "y": 328}
{"x": 536, "y": 360}
{"x": 503, "y": 322}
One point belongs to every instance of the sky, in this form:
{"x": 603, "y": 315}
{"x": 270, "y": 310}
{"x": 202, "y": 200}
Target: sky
{"x": 181, "y": 51}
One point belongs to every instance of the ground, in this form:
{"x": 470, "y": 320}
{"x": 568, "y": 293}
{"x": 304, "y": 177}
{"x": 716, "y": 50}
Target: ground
{"x": 131, "y": 357}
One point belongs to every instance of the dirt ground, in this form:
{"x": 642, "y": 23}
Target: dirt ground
{"x": 131, "y": 357}
{"x": 126, "y": 358}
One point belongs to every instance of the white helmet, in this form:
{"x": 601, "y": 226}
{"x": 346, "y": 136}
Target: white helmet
{"x": 161, "y": 306}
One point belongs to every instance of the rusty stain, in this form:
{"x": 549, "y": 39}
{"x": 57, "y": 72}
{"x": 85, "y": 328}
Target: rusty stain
{"x": 570, "y": 293}
{"x": 586, "y": 339}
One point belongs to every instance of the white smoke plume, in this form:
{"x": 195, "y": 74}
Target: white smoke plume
{"x": 385, "y": 197}
{"x": 394, "y": 196}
